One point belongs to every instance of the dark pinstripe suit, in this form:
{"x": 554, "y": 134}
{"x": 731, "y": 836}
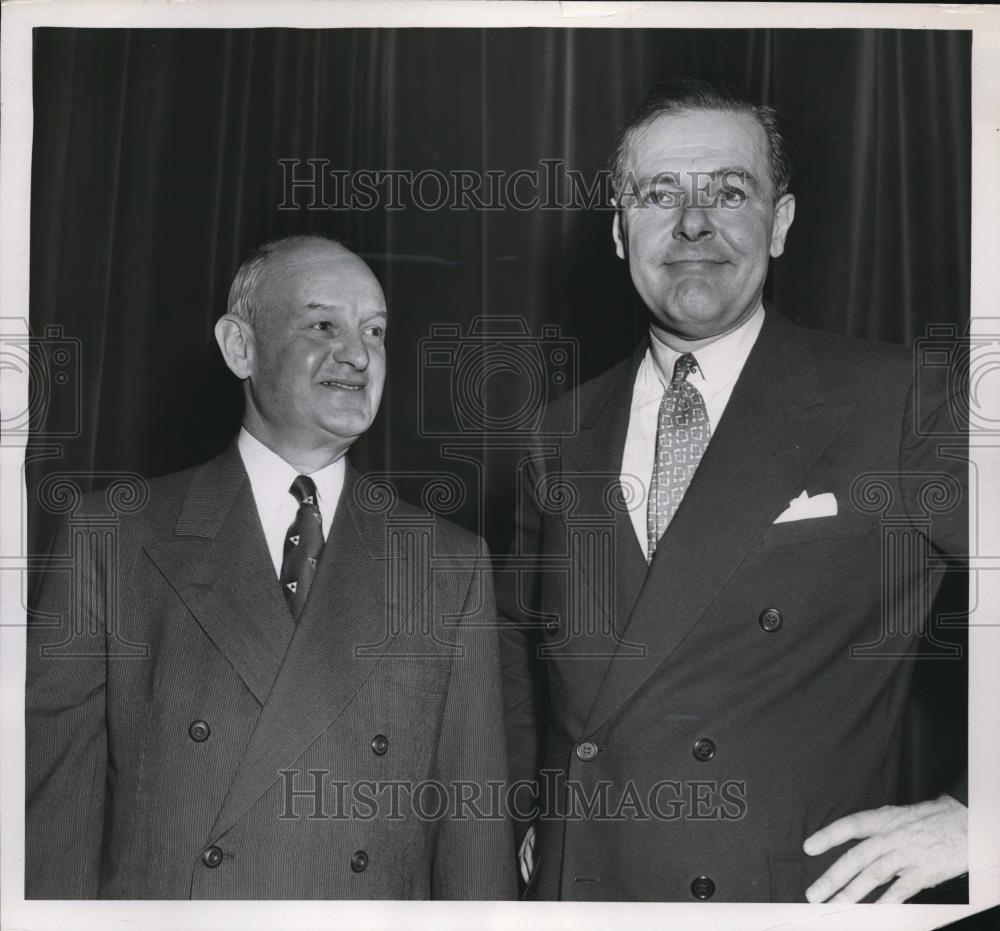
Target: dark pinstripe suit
{"x": 122, "y": 800}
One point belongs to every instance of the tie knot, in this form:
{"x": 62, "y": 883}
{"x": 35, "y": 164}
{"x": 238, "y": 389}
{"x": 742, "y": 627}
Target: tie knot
{"x": 304, "y": 489}
{"x": 683, "y": 367}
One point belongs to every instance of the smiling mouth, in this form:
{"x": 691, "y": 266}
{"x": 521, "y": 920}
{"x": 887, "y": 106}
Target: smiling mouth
{"x": 695, "y": 262}
{"x": 342, "y": 385}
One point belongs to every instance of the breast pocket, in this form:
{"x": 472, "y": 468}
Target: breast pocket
{"x": 838, "y": 527}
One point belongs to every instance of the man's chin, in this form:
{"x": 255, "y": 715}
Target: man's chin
{"x": 695, "y": 300}
{"x": 346, "y": 427}
{"x": 676, "y": 329}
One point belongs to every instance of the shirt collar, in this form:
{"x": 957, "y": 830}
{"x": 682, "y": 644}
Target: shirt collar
{"x": 271, "y": 477}
{"x": 720, "y": 362}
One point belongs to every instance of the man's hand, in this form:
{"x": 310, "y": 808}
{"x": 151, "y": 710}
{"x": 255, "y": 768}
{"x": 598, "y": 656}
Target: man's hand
{"x": 922, "y": 845}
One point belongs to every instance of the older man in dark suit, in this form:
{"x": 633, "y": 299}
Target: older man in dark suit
{"x": 262, "y": 690}
{"x": 713, "y": 693}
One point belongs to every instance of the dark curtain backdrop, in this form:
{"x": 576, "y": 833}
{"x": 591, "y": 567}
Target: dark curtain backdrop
{"x": 156, "y": 169}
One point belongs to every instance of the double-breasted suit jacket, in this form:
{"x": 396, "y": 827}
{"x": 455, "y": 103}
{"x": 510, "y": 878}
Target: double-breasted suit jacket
{"x": 702, "y": 715}
{"x": 191, "y": 740}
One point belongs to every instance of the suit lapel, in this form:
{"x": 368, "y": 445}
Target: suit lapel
{"x": 322, "y": 670}
{"x": 597, "y": 453}
{"x": 601, "y": 586}
{"x": 776, "y": 425}
{"x": 218, "y": 564}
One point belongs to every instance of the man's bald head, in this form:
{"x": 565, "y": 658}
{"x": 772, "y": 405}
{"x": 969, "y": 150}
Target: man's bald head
{"x": 245, "y": 291}
{"x": 305, "y": 334}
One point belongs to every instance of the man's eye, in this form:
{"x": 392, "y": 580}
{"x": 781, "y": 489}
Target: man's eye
{"x": 663, "y": 197}
{"x": 378, "y": 332}
{"x": 323, "y": 325}
{"x": 733, "y": 197}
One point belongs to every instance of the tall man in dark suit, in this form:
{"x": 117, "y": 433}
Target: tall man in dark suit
{"x": 249, "y": 693}
{"x": 713, "y": 689}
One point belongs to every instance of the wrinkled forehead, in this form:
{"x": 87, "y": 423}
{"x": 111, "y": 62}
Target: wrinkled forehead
{"x": 700, "y": 141}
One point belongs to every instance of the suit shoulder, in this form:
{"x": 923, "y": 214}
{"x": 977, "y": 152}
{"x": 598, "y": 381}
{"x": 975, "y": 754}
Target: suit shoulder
{"x": 564, "y": 413}
{"x": 173, "y": 485}
{"x": 133, "y": 495}
{"x": 851, "y": 360}
{"x": 449, "y": 538}
{"x": 854, "y": 349}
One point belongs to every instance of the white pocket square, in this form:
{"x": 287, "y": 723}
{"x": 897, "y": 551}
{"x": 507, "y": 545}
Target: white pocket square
{"x": 803, "y": 507}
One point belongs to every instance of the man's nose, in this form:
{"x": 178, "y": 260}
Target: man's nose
{"x": 351, "y": 350}
{"x": 694, "y": 223}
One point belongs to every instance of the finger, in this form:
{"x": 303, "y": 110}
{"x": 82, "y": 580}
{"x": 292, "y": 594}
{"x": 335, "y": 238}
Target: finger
{"x": 873, "y": 876}
{"x": 906, "y": 887}
{"x": 844, "y": 869}
{"x": 851, "y": 827}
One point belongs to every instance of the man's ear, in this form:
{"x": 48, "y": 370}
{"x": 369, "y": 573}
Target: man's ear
{"x": 236, "y": 341}
{"x": 784, "y": 213}
{"x": 618, "y": 232}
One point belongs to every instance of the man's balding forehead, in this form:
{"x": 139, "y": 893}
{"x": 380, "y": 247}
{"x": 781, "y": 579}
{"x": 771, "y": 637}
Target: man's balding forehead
{"x": 296, "y": 250}
{"x": 276, "y": 263}
{"x": 314, "y": 251}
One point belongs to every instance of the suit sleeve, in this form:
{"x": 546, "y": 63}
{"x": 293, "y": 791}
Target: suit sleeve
{"x": 65, "y": 734}
{"x": 524, "y": 683}
{"x": 473, "y": 856}
{"x": 935, "y": 444}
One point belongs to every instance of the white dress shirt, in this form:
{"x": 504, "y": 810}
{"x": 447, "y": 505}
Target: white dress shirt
{"x": 719, "y": 366}
{"x": 271, "y": 478}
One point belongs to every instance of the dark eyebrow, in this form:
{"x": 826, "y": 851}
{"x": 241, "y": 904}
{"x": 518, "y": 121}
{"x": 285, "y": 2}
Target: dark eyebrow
{"x": 673, "y": 176}
{"x": 715, "y": 174}
{"x": 319, "y": 305}
{"x": 316, "y": 305}
{"x": 736, "y": 170}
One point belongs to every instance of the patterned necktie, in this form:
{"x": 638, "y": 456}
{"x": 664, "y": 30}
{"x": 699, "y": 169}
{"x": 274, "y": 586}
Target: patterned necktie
{"x": 303, "y": 544}
{"x": 682, "y": 433}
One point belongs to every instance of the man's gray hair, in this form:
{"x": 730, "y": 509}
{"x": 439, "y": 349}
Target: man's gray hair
{"x": 687, "y": 95}
{"x": 243, "y": 292}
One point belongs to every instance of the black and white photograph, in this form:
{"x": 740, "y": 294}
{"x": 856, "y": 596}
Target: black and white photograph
{"x": 524, "y": 464}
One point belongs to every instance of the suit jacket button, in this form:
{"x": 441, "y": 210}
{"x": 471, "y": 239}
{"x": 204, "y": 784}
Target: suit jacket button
{"x": 551, "y": 625}
{"x": 359, "y": 862}
{"x": 379, "y": 744}
{"x": 771, "y": 620}
{"x": 586, "y": 750}
{"x": 703, "y": 749}
{"x": 212, "y": 857}
{"x": 702, "y": 887}
{"x": 199, "y": 731}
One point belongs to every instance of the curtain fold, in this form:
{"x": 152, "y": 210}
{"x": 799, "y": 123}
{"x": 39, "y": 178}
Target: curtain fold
{"x": 157, "y": 166}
